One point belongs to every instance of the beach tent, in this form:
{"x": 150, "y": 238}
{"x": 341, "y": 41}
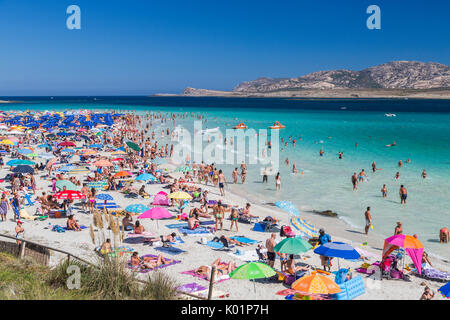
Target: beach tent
{"x": 412, "y": 246}
{"x": 161, "y": 199}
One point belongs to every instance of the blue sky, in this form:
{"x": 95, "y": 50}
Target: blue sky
{"x": 138, "y": 47}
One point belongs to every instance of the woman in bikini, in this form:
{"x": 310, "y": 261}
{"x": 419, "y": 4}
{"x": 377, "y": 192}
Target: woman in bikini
{"x": 234, "y": 219}
{"x": 147, "y": 262}
{"x": 92, "y": 196}
{"x": 222, "y": 269}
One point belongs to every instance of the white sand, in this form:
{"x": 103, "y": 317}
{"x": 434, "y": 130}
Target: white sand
{"x": 80, "y": 244}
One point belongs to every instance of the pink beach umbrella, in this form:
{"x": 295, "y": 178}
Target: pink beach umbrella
{"x": 156, "y": 214}
{"x": 161, "y": 199}
{"x": 412, "y": 246}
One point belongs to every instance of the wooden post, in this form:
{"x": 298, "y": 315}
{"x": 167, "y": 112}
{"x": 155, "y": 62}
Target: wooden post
{"x": 211, "y": 282}
{"x": 68, "y": 258}
{"x": 22, "y": 249}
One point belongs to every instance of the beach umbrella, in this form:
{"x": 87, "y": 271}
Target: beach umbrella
{"x": 68, "y": 150}
{"x": 96, "y": 146}
{"x": 122, "y": 174}
{"x": 288, "y": 206}
{"x": 66, "y": 168}
{"x": 118, "y": 159}
{"x": 338, "y": 250}
{"x": 179, "y": 195}
{"x": 7, "y": 141}
{"x": 252, "y": 271}
{"x": 103, "y": 163}
{"x": 67, "y": 144}
{"x": 46, "y": 155}
{"x": 156, "y": 213}
{"x": 32, "y": 155}
{"x": 118, "y": 152}
{"x": 413, "y": 247}
{"x": 89, "y": 152}
{"x": 137, "y": 208}
{"x": 133, "y": 146}
{"x": 292, "y": 246}
{"x": 306, "y": 229}
{"x": 316, "y": 284}
{"x": 25, "y": 151}
{"x": 69, "y": 194}
{"x": 445, "y": 290}
{"x": 104, "y": 196}
{"x": 17, "y": 162}
{"x": 60, "y": 184}
{"x": 23, "y": 169}
{"x": 145, "y": 177}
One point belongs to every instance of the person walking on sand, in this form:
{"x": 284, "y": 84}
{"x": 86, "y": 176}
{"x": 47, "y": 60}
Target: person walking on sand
{"x": 278, "y": 182}
{"x": 368, "y": 217}
{"x": 222, "y": 181}
{"x": 403, "y": 194}
{"x": 265, "y": 175}
{"x": 235, "y": 175}
{"x": 270, "y": 244}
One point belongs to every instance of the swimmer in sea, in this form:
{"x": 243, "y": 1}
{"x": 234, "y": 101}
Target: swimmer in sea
{"x": 424, "y": 174}
{"x": 355, "y": 181}
{"x": 286, "y": 161}
{"x": 340, "y": 154}
{"x": 400, "y": 164}
{"x": 361, "y": 176}
{"x": 321, "y": 153}
{"x": 374, "y": 167}
{"x": 397, "y": 175}
{"x": 294, "y": 168}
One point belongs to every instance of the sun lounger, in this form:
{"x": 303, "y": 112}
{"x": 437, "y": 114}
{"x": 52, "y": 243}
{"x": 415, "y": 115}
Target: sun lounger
{"x": 28, "y": 198}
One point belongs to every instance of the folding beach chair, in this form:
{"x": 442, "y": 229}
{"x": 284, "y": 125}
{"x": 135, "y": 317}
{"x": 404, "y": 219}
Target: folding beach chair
{"x": 28, "y": 198}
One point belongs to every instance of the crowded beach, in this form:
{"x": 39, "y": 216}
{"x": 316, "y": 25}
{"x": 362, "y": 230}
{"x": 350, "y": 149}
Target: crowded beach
{"x": 104, "y": 185}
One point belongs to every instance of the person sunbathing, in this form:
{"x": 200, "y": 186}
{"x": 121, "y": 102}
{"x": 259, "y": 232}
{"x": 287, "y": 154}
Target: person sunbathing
{"x": 138, "y": 228}
{"x": 142, "y": 192}
{"x": 147, "y": 262}
{"x": 222, "y": 269}
{"x": 106, "y": 247}
{"x": 225, "y": 239}
{"x": 72, "y": 224}
{"x": 246, "y": 212}
{"x": 193, "y": 222}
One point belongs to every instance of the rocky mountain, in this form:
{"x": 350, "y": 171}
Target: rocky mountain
{"x": 392, "y": 75}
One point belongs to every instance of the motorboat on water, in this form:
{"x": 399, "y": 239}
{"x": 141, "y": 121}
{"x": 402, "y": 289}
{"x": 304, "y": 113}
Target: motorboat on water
{"x": 277, "y": 125}
{"x": 390, "y": 115}
{"x": 240, "y": 126}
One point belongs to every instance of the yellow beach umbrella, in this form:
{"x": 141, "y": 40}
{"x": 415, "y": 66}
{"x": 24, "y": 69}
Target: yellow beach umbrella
{"x": 7, "y": 141}
{"x": 179, "y": 195}
{"x": 119, "y": 152}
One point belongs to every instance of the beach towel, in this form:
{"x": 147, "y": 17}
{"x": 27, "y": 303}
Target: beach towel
{"x": 177, "y": 225}
{"x": 431, "y": 273}
{"x": 245, "y": 240}
{"x": 215, "y": 244}
{"x": 216, "y": 294}
{"x": 171, "y": 262}
{"x": 191, "y": 287}
{"x": 196, "y": 232}
{"x": 287, "y": 292}
{"x": 178, "y": 240}
{"x": 28, "y": 198}
{"x": 81, "y": 227}
{"x": 170, "y": 250}
{"x": 245, "y": 255}
{"x": 145, "y": 234}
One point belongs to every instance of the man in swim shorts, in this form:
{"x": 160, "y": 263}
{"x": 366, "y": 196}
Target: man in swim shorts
{"x": 368, "y": 217}
{"x": 403, "y": 195}
{"x": 270, "y": 244}
{"x": 444, "y": 235}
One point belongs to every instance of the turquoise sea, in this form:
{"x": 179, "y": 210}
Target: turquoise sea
{"x": 421, "y": 130}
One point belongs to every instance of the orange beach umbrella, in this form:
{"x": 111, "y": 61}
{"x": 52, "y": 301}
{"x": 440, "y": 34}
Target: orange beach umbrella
{"x": 316, "y": 283}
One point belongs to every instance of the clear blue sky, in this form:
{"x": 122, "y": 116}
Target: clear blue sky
{"x": 134, "y": 47}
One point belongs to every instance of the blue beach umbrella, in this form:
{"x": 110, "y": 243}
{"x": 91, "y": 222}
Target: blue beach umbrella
{"x": 25, "y": 151}
{"x": 445, "y": 290}
{"x": 104, "y": 197}
{"x": 288, "y": 206}
{"x": 338, "y": 250}
{"x": 68, "y": 150}
{"x": 137, "y": 208}
{"x": 145, "y": 177}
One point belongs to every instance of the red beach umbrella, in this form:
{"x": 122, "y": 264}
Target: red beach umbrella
{"x": 69, "y": 194}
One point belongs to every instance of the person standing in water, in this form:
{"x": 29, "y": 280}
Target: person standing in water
{"x": 403, "y": 195}
{"x": 294, "y": 168}
{"x": 368, "y": 217}
{"x": 355, "y": 181}
{"x": 424, "y": 174}
{"x": 265, "y": 173}
{"x": 278, "y": 182}
{"x": 384, "y": 191}
{"x": 374, "y": 167}
{"x": 235, "y": 175}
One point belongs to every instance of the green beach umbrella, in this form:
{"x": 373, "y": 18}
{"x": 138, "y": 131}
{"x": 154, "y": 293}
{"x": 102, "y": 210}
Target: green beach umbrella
{"x": 60, "y": 184}
{"x": 252, "y": 271}
{"x": 133, "y": 146}
{"x": 32, "y": 155}
{"x": 292, "y": 246}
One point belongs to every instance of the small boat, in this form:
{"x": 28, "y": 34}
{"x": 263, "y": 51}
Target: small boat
{"x": 240, "y": 126}
{"x": 390, "y": 115}
{"x": 277, "y": 125}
